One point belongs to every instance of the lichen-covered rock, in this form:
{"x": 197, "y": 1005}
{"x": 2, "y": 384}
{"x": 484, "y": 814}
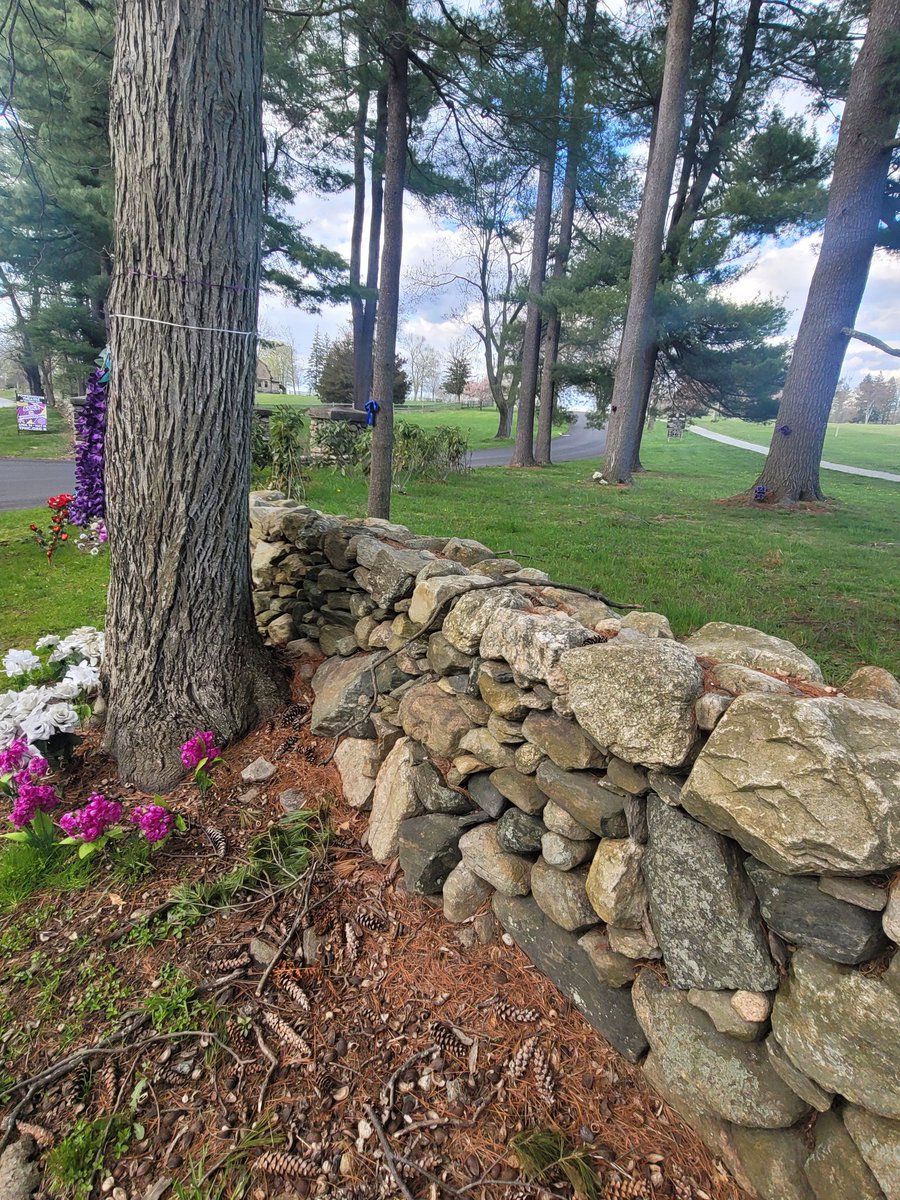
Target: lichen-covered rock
{"x": 561, "y": 896}
{"x": 752, "y": 648}
{"x": 636, "y": 698}
{"x": 739, "y": 679}
{"x": 703, "y": 906}
{"x": 510, "y": 874}
{"x": 719, "y": 1009}
{"x": 357, "y": 761}
{"x": 890, "y": 918}
{"x": 730, "y": 1079}
{"x": 519, "y": 833}
{"x": 772, "y": 1161}
{"x": 394, "y": 801}
{"x": 874, "y": 683}
{"x": 507, "y": 732}
{"x": 627, "y": 777}
{"x": 429, "y": 850}
{"x": 564, "y": 853}
{"x": 433, "y": 718}
{"x": 796, "y": 908}
{"x": 528, "y": 758}
{"x": 816, "y": 1097}
{"x": 562, "y": 741}
{"x": 615, "y": 885}
{"x": 464, "y": 894}
{"x": 585, "y": 796}
{"x": 520, "y": 790}
{"x": 854, "y": 891}
{"x": 485, "y": 747}
{"x": 436, "y": 592}
{"x": 807, "y": 785}
{"x": 343, "y": 690}
{"x": 471, "y": 615}
{"x": 533, "y": 644}
{"x": 466, "y": 551}
{"x": 613, "y": 969}
{"x": 878, "y": 1141}
{"x": 842, "y": 1029}
{"x": 444, "y": 659}
{"x": 435, "y": 796}
{"x": 634, "y": 943}
{"x": 264, "y": 562}
{"x": 560, "y": 822}
{"x": 836, "y": 1168}
{"x": 557, "y": 955}
{"x": 650, "y": 624}
{"x": 495, "y": 683}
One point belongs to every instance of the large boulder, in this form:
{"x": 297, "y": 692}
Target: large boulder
{"x": 562, "y": 741}
{"x": 533, "y": 643}
{"x": 752, "y": 648}
{"x": 636, "y": 698}
{"x": 878, "y": 1141}
{"x": 561, "y": 896}
{"x": 472, "y": 614}
{"x": 436, "y": 592}
{"x": 466, "y": 551}
{"x": 842, "y": 1029}
{"x": 729, "y": 1079}
{"x": 836, "y": 1168}
{"x": 429, "y": 850}
{"x": 585, "y": 796}
{"x": 393, "y": 801}
{"x": 357, "y": 761}
{"x": 704, "y": 911}
{"x": 343, "y": 690}
{"x": 558, "y": 955}
{"x": 615, "y": 885}
{"x": 431, "y": 716}
{"x": 874, "y": 683}
{"x": 807, "y": 785}
{"x": 393, "y": 572}
{"x": 796, "y": 908}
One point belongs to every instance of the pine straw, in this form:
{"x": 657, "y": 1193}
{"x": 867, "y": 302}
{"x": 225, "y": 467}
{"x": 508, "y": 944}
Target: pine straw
{"x": 386, "y": 1015}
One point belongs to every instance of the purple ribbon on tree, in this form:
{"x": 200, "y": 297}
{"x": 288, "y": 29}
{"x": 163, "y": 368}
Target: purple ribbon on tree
{"x": 90, "y": 424}
{"x": 372, "y": 407}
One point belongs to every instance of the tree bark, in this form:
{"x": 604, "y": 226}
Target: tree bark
{"x": 861, "y": 163}
{"x": 376, "y": 213}
{"x": 357, "y": 305}
{"x": 182, "y": 651}
{"x": 397, "y": 54}
{"x": 564, "y": 245}
{"x": 523, "y": 454}
{"x": 623, "y": 436}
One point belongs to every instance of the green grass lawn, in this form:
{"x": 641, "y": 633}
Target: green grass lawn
{"x": 828, "y": 581}
{"x": 876, "y": 447}
{"x": 57, "y": 443}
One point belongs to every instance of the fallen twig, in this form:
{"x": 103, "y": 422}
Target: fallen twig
{"x": 273, "y": 1066}
{"x": 290, "y": 933}
{"x": 390, "y": 1161}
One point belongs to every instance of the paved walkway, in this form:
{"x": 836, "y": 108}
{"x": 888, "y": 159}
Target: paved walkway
{"x": 826, "y": 466}
{"x": 579, "y": 443}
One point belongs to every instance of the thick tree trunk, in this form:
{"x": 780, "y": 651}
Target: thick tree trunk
{"x": 391, "y": 258}
{"x": 182, "y": 652}
{"x": 855, "y": 200}
{"x": 523, "y": 454}
{"x": 623, "y": 436}
{"x": 564, "y": 245}
{"x": 504, "y": 425}
{"x": 357, "y": 305}
{"x": 376, "y": 213}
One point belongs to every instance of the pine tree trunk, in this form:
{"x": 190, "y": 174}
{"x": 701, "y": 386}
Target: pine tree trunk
{"x": 182, "y": 651}
{"x": 504, "y": 426}
{"x": 397, "y": 54}
{"x": 623, "y": 436}
{"x": 564, "y": 245}
{"x": 357, "y": 305}
{"x": 523, "y": 454}
{"x": 376, "y": 206}
{"x": 861, "y": 163}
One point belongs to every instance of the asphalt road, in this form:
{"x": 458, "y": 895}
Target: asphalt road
{"x": 27, "y": 482}
{"x": 580, "y": 442}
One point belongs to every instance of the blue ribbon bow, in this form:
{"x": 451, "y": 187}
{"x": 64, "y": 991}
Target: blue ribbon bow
{"x": 372, "y": 407}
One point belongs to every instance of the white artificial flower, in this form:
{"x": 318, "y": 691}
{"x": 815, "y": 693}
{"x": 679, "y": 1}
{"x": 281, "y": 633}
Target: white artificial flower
{"x": 63, "y": 716}
{"x": 66, "y": 689}
{"x": 37, "y": 727}
{"x": 84, "y": 675}
{"x": 50, "y": 639}
{"x": 9, "y": 730}
{"x": 20, "y": 662}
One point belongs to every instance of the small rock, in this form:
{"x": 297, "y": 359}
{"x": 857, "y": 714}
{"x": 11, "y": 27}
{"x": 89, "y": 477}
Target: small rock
{"x": 521, "y": 790}
{"x": 565, "y": 853}
{"x": 485, "y": 747}
{"x": 509, "y": 873}
{"x": 818, "y": 1098}
{"x": 486, "y": 795}
{"x": 627, "y": 777}
{"x": 650, "y": 624}
{"x": 528, "y": 759}
{"x": 874, "y": 683}
{"x": 710, "y": 708}
{"x": 718, "y": 1007}
{"x": 854, "y": 891}
{"x": 559, "y": 821}
{"x": 312, "y": 946}
{"x": 262, "y": 952}
{"x": 561, "y": 896}
{"x": 258, "y": 771}
{"x": 393, "y": 801}
{"x": 587, "y": 797}
{"x": 752, "y": 1006}
{"x": 519, "y": 833}
{"x": 633, "y": 943}
{"x": 434, "y": 796}
{"x": 891, "y": 917}
{"x": 562, "y": 741}
{"x": 615, "y": 885}
{"x": 429, "y": 850}
{"x": 614, "y": 969}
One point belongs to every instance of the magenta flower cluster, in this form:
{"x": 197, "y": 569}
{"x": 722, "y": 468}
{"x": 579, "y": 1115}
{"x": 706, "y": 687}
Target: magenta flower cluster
{"x": 154, "y": 821}
{"x": 200, "y": 746}
{"x": 93, "y": 819}
{"x": 14, "y": 757}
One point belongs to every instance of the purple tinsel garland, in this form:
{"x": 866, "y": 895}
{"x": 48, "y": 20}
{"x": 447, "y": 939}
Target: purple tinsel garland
{"x": 90, "y": 424}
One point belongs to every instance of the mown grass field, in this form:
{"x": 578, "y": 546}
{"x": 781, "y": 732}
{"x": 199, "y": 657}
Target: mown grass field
{"x": 876, "y": 447}
{"x": 57, "y": 443}
{"x": 827, "y": 580}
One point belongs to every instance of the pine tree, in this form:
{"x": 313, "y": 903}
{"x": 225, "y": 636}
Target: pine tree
{"x": 457, "y": 376}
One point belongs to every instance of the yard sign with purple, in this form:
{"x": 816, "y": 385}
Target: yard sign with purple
{"x": 31, "y": 414}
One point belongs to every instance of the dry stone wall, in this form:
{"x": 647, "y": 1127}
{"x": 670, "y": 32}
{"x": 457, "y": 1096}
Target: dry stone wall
{"x": 697, "y": 841}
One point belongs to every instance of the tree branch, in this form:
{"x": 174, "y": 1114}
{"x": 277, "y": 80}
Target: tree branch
{"x": 871, "y": 340}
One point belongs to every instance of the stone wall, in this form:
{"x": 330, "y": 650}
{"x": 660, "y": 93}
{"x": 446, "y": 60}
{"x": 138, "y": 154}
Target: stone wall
{"x": 695, "y": 841}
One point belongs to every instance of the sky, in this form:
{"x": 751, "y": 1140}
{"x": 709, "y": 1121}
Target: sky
{"x": 783, "y": 271}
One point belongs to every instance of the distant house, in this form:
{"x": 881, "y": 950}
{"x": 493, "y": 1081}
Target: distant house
{"x": 265, "y": 381}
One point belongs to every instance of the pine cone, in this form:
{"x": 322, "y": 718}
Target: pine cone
{"x": 352, "y": 943}
{"x": 447, "y": 1039}
{"x": 216, "y": 839}
{"x": 231, "y": 964}
{"x": 42, "y": 1136}
{"x": 518, "y": 1064}
{"x": 370, "y": 920}
{"x": 292, "y": 717}
{"x": 620, "y": 1187}
{"x": 510, "y": 1012}
{"x": 286, "y": 747}
{"x": 543, "y": 1077}
{"x": 107, "y": 1080}
{"x": 294, "y": 990}
{"x": 290, "y": 1166}
{"x": 288, "y": 1036}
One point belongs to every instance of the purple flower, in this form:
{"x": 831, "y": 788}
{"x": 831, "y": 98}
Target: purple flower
{"x": 784, "y": 430}
{"x": 38, "y": 767}
{"x": 200, "y": 746}
{"x": 154, "y": 821}
{"x": 12, "y": 759}
{"x": 93, "y": 819}
{"x": 31, "y": 799}
{"x": 90, "y": 428}
{"x": 760, "y": 492}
